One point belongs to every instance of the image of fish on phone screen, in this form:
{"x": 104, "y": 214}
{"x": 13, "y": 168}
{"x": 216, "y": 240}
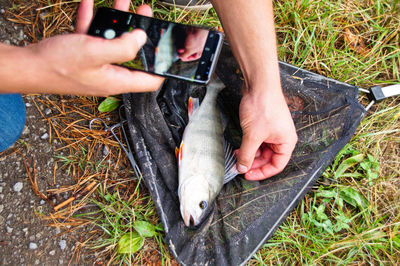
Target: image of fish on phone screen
{"x": 171, "y": 49}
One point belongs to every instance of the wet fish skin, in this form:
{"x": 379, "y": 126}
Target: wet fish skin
{"x": 202, "y": 158}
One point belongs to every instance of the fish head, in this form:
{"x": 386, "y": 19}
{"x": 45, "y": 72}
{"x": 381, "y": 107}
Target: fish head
{"x": 195, "y": 201}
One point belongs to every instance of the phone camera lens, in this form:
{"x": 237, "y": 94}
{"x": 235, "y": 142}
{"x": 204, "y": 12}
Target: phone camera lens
{"x": 109, "y": 34}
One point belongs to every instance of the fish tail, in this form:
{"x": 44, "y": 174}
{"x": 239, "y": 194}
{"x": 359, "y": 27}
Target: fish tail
{"x": 215, "y": 85}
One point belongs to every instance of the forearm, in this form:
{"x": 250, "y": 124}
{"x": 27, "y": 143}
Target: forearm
{"x": 249, "y": 26}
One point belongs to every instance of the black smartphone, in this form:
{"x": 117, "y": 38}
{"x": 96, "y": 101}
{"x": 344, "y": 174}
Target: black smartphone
{"x": 172, "y": 49}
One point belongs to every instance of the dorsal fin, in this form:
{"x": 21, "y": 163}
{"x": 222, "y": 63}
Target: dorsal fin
{"x": 193, "y": 105}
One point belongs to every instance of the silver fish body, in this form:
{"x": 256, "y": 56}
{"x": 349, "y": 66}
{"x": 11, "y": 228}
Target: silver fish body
{"x": 201, "y": 159}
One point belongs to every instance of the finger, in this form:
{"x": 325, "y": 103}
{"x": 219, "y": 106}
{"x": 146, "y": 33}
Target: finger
{"x": 263, "y": 159}
{"x": 274, "y": 167}
{"x": 122, "y": 5}
{"x": 124, "y": 80}
{"x": 118, "y": 50}
{"x": 236, "y": 152}
{"x": 247, "y": 152}
{"x": 85, "y": 14}
{"x": 145, "y": 10}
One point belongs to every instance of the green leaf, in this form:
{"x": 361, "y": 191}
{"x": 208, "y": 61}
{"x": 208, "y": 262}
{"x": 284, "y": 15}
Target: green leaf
{"x": 320, "y": 212}
{"x": 353, "y": 197}
{"x": 130, "y": 243}
{"x": 145, "y": 229}
{"x": 109, "y": 104}
{"x": 327, "y": 193}
{"x": 396, "y": 241}
{"x": 341, "y": 222}
{"x": 326, "y": 225}
{"x": 348, "y": 163}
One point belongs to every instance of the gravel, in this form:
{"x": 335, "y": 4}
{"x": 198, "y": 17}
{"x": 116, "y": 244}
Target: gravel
{"x": 25, "y": 238}
{"x": 44, "y": 136}
{"x": 18, "y": 186}
{"x": 33, "y": 245}
{"x": 62, "y": 244}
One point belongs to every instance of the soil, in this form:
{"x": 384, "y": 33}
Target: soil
{"x": 25, "y": 239}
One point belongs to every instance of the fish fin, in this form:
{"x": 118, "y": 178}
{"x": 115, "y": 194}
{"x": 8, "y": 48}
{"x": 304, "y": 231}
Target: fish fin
{"x": 178, "y": 153}
{"x": 193, "y": 105}
{"x": 230, "y": 162}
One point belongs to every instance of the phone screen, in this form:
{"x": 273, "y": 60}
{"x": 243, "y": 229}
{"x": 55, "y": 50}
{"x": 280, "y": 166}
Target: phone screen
{"x": 172, "y": 49}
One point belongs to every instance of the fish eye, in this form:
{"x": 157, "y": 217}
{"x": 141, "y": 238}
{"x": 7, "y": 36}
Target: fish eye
{"x": 203, "y": 204}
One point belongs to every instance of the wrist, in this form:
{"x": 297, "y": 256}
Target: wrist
{"x": 18, "y": 69}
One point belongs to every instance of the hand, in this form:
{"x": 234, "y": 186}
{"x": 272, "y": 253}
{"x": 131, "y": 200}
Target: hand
{"x": 82, "y": 64}
{"x": 269, "y": 135}
{"x": 194, "y": 44}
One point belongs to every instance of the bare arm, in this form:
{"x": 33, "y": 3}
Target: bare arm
{"x": 269, "y": 135}
{"x": 77, "y": 63}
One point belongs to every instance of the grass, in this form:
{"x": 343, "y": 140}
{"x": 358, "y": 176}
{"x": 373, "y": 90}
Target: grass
{"x": 352, "y": 214}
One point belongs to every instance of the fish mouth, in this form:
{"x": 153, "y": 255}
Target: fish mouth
{"x": 190, "y": 221}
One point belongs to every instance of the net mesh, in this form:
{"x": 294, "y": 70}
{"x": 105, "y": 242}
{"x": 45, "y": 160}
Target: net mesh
{"x": 245, "y": 214}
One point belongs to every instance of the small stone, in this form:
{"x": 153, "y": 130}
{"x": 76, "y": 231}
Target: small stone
{"x": 32, "y": 238}
{"x": 9, "y": 229}
{"x": 1, "y": 208}
{"x": 106, "y": 150}
{"x": 60, "y": 262}
{"x": 52, "y": 253}
{"x": 18, "y": 186}
{"x": 42, "y": 202}
{"x": 44, "y": 136}
{"x": 20, "y": 35}
{"x": 28, "y": 104}
{"x": 47, "y": 111}
{"x": 2, "y": 11}
{"x": 1, "y": 189}
{"x": 32, "y": 245}
{"x": 62, "y": 244}
{"x": 37, "y": 262}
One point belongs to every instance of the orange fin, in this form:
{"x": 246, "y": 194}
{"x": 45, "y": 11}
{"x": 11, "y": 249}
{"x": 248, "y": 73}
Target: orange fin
{"x": 178, "y": 153}
{"x": 193, "y": 105}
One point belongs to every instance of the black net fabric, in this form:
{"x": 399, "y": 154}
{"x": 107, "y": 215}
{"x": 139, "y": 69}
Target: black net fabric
{"x": 245, "y": 214}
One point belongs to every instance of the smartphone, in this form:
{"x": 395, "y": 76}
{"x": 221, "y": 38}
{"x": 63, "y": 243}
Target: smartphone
{"x": 172, "y": 50}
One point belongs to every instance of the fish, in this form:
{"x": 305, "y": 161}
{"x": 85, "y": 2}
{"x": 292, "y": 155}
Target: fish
{"x": 165, "y": 52}
{"x": 205, "y": 160}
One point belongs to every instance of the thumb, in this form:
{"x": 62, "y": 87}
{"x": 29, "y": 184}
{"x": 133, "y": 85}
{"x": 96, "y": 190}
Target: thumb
{"x": 247, "y": 152}
{"x": 123, "y": 48}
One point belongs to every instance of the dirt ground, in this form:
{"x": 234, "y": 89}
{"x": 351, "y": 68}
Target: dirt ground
{"x": 25, "y": 239}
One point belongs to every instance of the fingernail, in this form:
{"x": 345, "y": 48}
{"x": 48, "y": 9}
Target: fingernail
{"x": 241, "y": 168}
{"x": 141, "y": 37}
